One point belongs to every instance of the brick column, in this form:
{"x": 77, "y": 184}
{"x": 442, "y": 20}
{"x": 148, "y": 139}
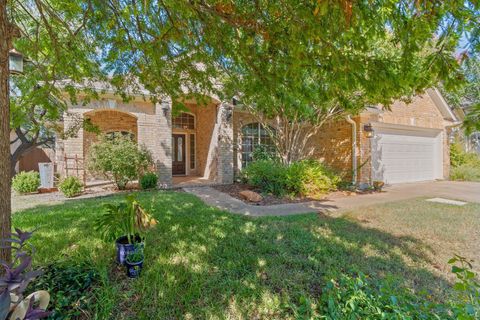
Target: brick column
{"x": 162, "y": 136}
{"x": 225, "y": 144}
{"x": 72, "y": 146}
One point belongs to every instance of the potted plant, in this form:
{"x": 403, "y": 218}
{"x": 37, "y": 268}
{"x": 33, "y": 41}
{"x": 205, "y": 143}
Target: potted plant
{"x": 125, "y": 223}
{"x": 378, "y": 185}
{"x": 134, "y": 262}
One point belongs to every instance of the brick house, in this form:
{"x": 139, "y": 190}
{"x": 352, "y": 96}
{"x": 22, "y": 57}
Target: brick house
{"x": 210, "y": 143}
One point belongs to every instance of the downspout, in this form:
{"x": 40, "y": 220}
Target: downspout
{"x": 354, "y": 148}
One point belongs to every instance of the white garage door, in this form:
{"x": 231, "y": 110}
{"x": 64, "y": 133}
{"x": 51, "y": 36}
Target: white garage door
{"x": 406, "y": 155}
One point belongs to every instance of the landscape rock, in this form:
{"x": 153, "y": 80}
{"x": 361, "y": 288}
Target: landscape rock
{"x": 251, "y": 196}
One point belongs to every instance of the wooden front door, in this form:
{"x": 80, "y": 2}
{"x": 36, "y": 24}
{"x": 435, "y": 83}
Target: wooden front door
{"x": 178, "y": 156}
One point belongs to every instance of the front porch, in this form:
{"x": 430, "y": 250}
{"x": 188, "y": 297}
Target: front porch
{"x": 191, "y": 181}
{"x": 191, "y": 146}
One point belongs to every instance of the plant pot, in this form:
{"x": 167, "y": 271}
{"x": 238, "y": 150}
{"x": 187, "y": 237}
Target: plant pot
{"x": 134, "y": 268}
{"x": 124, "y": 248}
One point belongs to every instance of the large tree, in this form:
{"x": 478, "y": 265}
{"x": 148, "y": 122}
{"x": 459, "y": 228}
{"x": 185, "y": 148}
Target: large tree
{"x": 53, "y": 38}
{"x": 291, "y": 62}
{"x": 306, "y": 57}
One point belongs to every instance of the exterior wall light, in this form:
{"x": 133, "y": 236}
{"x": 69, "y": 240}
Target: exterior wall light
{"x": 229, "y": 113}
{"x": 15, "y": 62}
{"x": 368, "y": 130}
{"x": 165, "y": 111}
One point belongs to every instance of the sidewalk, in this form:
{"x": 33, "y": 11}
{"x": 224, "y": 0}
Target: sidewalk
{"x": 464, "y": 191}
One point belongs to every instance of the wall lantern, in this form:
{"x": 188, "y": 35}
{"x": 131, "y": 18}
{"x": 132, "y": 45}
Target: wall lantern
{"x": 15, "y": 62}
{"x": 165, "y": 111}
{"x": 228, "y": 113}
{"x": 368, "y": 130}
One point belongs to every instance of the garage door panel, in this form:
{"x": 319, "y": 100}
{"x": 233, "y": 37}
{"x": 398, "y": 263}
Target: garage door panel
{"x": 405, "y": 156}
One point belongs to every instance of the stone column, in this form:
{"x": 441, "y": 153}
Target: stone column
{"x": 225, "y": 144}
{"x": 162, "y": 132}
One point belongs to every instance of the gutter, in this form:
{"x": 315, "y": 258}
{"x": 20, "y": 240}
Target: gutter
{"x": 354, "y": 148}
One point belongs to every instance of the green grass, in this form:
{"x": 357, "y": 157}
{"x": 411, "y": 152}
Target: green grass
{"x": 202, "y": 263}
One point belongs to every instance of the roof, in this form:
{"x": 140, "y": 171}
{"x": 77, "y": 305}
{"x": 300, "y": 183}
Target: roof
{"x": 441, "y": 104}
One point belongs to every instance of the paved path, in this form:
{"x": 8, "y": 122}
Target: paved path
{"x": 465, "y": 191}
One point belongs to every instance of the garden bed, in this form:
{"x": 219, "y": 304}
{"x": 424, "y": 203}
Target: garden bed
{"x": 268, "y": 199}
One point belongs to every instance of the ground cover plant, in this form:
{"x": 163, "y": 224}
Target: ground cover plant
{"x": 208, "y": 264}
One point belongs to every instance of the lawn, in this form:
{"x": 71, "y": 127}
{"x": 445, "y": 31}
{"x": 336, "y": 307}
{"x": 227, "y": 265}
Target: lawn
{"x": 207, "y": 264}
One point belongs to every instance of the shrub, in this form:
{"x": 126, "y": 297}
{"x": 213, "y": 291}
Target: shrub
{"x": 268, "y": 175}
{"x": 465, "y": 166}
{"x": 119, "y": 159}
{"x": 72, "y": 289}
{"x": 465, "y": 172}
{"x": 310, "y": 178}
{"x": 70, "y": 187}
{"x": 360, "y": 298}
{"x": 305, "y": 178}
{"x": 26, "y": 182}
{"x": 148, "y": 181}
{"x": 458, "y": 157}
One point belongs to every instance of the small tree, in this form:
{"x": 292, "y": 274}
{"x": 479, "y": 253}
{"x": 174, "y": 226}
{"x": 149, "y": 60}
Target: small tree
{"x": 119, "y": 159}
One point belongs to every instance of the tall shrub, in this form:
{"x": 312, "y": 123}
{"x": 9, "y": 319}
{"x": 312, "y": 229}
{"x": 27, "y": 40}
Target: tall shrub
{"x": 465, "y": 166}
{"x": 26, "y": 182}
{"x": 119, "y": 159}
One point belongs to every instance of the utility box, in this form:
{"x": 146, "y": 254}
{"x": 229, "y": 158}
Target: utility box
{"x": 46, "y": 175}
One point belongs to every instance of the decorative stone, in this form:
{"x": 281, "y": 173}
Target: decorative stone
{"x": 250, "y": 196}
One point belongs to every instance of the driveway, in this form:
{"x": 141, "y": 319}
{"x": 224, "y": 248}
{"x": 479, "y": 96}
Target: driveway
{"x": 464, "y": 191}
{"x": 455, "y": 190}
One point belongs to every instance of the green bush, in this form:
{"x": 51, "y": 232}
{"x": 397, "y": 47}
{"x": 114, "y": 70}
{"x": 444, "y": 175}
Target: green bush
{"x": 465, "y": 173}
{"x": 303, "y": 178}
{"x": 119, "y": 159}
{"x": 310, "y": 178}
{"x": 26, "y": 182}
{"x": 465, "y": 166}
{"x": 70, "y": 187}
{"x": 458, "y": 157}
{"x": 148, "y": 181}
{"x": 360, "y": 298}
{"x": 267, "y": 175}
{"x": 72, "y": 289}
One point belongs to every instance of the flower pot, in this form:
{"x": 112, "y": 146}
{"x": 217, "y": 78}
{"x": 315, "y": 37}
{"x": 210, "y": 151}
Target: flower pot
{"x": 134, "y": 268}
{"x": 124, "y": 248}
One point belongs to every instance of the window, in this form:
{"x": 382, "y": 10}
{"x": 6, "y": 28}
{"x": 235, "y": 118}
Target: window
{"x": 254, "y": 134}
{"x": 110, "y": 135}
{"x": 192, "y": 151}
{"x": 184, "y": 121}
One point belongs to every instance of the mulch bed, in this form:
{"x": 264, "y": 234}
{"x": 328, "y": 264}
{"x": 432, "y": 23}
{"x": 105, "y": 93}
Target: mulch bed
{"x": 235, "y": 189}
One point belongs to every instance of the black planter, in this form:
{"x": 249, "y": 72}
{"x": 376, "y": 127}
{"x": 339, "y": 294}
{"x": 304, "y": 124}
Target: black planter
{"x": 124, "y": 248}
{"x": 134, "y": 268}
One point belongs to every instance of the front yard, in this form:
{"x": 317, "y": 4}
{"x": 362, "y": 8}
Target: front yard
{"x": 205, "y": 263}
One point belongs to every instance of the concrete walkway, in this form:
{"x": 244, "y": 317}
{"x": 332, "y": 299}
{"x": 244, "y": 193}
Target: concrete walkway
{"x": 465, "y": 191}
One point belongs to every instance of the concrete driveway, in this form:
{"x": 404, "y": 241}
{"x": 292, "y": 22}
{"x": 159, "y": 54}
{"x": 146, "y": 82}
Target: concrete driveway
{"x": 454, "y": 190}
{"x": 464, "y": 191}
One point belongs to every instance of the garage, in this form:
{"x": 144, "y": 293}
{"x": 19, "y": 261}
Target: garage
{"x": 406, "y": 154}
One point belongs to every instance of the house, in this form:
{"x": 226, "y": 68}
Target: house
{"x": 213, "y": 141}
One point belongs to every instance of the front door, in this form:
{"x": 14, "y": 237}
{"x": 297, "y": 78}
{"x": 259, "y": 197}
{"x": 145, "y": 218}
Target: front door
{"x": 178, "y": 160}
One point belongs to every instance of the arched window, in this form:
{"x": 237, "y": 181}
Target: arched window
{"x": 112, "y": 134}
{"x": 253, "y": 135}
{"x": 184, "y": 121}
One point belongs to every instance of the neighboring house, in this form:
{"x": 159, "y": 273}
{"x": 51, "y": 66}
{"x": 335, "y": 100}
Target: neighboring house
{"x": 215, "y": 141}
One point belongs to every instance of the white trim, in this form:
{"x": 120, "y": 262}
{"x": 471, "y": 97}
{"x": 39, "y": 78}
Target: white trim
{"x": 402, "y": 127}
{"x": 441, "y": 104}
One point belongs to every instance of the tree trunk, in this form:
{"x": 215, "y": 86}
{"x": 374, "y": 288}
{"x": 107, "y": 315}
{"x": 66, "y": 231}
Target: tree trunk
{"x": 5, "y": 186}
